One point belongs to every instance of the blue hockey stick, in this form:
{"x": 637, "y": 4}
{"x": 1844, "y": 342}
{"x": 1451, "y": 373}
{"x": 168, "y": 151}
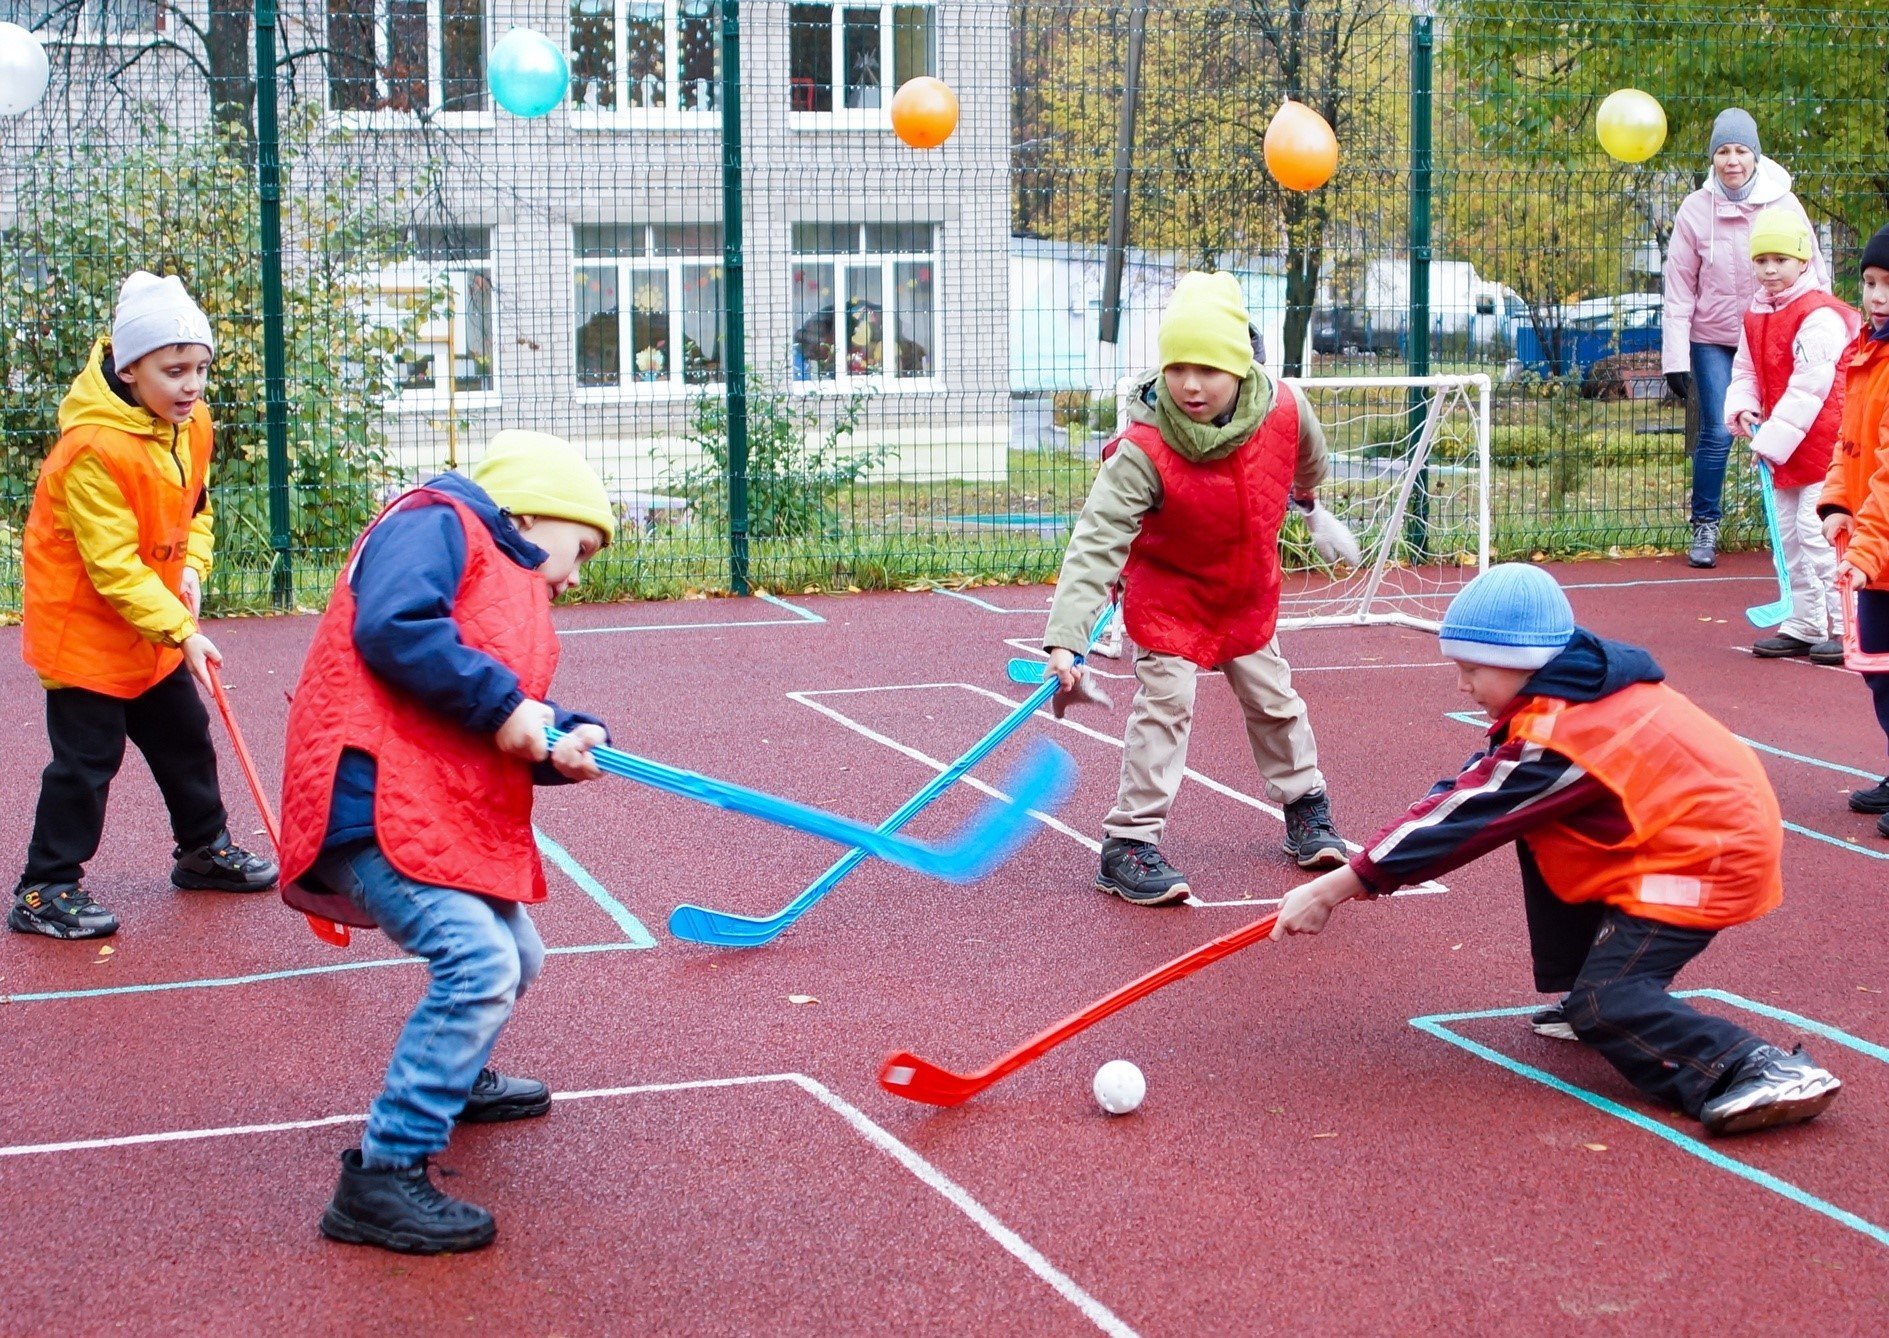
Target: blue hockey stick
{"x": 721, "y": 929}
{"x": 1042, "y": 780}
{"x": 1770, "y": 615}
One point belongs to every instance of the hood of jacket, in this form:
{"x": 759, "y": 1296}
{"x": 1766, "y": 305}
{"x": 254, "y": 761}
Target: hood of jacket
{"x": 1773, "y": 183}
{"x": 497, "y": 521}
{"x": 92, "y": 402}
{"x": 1591, "y": 667}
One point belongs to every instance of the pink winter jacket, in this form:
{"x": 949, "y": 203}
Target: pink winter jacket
{"x": 1709, "y": 279}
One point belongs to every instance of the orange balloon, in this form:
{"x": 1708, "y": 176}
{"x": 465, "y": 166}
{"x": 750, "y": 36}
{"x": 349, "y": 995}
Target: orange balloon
{"x": 1301, "y": 150}
{"x": 924, "y": 112}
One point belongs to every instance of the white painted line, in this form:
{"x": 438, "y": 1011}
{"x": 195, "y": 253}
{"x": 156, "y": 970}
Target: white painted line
{"x": 987, "y": 606}
{"x": 921, "y": 1170}
{"x": 1239, "y": 796}
{"x": 803, "y": 617}
{"x": 1035, "y": 648}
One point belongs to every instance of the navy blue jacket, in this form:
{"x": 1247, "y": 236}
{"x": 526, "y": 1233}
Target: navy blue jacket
{"x": 404, "y": 584}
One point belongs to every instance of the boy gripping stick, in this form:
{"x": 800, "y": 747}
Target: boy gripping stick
{"x": 415, "y": 737}
{"x": 117, "y": 545}
{"x": 1787, "y": 397}
{"x": 1855, "y": 502}
{"x": 1185, "y": 512}
{"x": 1644, "y": 827}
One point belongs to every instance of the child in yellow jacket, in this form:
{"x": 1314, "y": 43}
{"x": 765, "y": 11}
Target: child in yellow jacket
{"x": 117, "y": 545}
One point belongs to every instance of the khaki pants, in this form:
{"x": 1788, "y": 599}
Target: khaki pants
{"x": 1154, "y": 752}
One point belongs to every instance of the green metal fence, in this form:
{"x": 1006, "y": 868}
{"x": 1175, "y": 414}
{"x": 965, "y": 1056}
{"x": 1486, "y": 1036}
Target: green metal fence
{"x": 803, "y": 354}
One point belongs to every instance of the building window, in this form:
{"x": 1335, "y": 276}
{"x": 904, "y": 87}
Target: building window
{"x": 449, "y": 278}
{"x": 851, "y": 58}
{"x": 644, "y": 55}
{"x": 648, "y": 304}
{"x": 415, "y": 57}
{"x": 95, "y": 20}
{"x": 865, "y": 303}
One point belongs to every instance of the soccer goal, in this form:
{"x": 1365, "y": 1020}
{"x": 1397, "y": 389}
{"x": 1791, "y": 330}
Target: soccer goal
{"x": 1410, "y": 478}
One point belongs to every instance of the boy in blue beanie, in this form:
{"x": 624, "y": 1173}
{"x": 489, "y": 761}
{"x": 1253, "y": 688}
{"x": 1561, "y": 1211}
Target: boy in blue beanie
{"x": 1644, "y": 827}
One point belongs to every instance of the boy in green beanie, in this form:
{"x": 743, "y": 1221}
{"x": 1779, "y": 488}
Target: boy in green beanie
{"x": 1185, "y": 513}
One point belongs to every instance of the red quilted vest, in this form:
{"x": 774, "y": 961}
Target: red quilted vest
{"x": 449, "y": 808}
{"x": 1203, "y": 578}
{"x": 1769, "y": 335}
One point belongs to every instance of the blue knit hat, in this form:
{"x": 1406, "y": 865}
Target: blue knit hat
{"x": 1513, "y": 616}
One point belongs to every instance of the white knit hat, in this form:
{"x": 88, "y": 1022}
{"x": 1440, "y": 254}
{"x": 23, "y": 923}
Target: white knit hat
{"x": 154, "y": 313}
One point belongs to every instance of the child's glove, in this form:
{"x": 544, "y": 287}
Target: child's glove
{"x": 1330, "y": 536}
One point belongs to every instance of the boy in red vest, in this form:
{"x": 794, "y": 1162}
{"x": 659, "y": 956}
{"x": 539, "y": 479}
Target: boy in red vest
{"x": 1185, "y": 513}
{"x": 117, "y": 545}
{"x": 1855, "y": 500}
{"x": 415, "y": 737}
{"x": 1787, "y": 397}
{"x": 1644, "y": 828}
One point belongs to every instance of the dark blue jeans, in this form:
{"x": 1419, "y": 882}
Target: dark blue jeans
{"x": 1711, "y": 378}
{"x": 1872, "y": 634}
{"x": 1615, "y": 968}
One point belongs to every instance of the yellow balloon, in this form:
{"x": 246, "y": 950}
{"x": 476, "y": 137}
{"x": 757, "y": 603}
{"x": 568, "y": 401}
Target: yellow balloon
{"x": 1631, "y": 125}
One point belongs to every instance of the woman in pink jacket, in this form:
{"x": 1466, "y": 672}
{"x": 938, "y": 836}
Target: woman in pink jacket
{"x": 1709, "y": 284}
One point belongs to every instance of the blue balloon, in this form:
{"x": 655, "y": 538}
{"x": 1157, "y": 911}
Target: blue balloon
{"x": 528, "y": 73}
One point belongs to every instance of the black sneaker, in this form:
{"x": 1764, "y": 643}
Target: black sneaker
{"x": 1873, "y": 800}
{"x": 1311, "y": 839}
{"x": 1770, "y": 1088}
{"x": 1704, "y": 550}
{"x": 1827, "y": 652}
{"x": 1553, "y": 1023}
{"x": 1882, "y": 825}
{"x": 1135, "y": 871}
{"x": 59, "y": 910}
{"x": 1781, "y": 647}
{"x": 496, "y": 1098}
{"x": 400, "y": 1208}
{"x": 223, "y": 866}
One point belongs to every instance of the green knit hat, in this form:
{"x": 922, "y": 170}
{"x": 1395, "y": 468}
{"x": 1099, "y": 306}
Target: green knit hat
{"x": 1205, "y": 324}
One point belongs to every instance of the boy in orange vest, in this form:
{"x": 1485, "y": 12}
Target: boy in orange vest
{"x": 1787, "y": 398}
{"x": 415, "y": 737}
{"x": 117, "y": 545}
{"x": 1185, "y": 514}
{"x": 1644, "y": 828}
{"x": 1855, "y": 501}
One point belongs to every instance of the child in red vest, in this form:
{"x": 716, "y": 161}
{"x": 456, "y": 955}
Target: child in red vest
{"x": 1787, "y": 397}
{"x": 117, "y": 545}
{"x": 415, "y": 737}
{"x": 1185, "y": 514}
{"x": 1644, "y": 828}
{"x": 1855, "y": 502}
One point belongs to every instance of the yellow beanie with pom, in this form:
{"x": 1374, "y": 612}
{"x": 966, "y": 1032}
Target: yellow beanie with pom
{"x": 537, "y": 474}
{"x": 1205, "y": 324}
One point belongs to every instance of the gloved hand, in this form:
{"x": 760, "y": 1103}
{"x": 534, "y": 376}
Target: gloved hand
{"x": 1680, "y": 383}
{"x": 1086, "y": 692}
{"x": 1330, "y": 536}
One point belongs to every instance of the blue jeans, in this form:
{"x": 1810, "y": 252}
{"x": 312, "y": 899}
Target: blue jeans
{"x": 1711, "y": 378}
{"x": 482, "y": 954}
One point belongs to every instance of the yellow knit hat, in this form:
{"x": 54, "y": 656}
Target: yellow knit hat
{"x": 1780, "y": 231}
{"x": 1205, "y": 324}
{"x": 537, "y": 474}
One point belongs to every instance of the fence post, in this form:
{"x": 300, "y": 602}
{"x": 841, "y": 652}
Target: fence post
{"x": 1417, "y": 319}
{"x": 275, "y": 397}
{"x": 1111, "y": 331}
{"x": 734, "y": 342}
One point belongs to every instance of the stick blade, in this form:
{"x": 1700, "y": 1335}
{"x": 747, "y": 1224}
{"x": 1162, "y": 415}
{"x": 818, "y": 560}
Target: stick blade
{"x": 1040, "y": 782}
{"x": 1026, "y": 671}
{"x": 698, "y": 924}
{"x": 916, "y": 1079}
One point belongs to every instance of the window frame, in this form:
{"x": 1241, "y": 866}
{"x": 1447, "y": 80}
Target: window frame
{"x": 388, "y": 118}
{"x": 89, "y": 32}
{"x": 877, "y": 118}
{"x": 843, "y": 381}
{"x": 416, "y": 275}
{"x": 630, "y": 268}
{"x": 671, "y": 115}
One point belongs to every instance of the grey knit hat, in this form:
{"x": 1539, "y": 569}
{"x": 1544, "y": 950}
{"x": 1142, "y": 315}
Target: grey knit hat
{"x": 1734, "y": 126}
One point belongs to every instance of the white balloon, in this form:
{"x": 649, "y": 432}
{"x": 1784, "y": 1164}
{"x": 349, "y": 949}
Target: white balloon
{"x": 24, "y": 70}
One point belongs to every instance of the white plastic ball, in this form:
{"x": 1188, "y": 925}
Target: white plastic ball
{"x": 1119, "y": 1087}
{"x": 24, "y": 69}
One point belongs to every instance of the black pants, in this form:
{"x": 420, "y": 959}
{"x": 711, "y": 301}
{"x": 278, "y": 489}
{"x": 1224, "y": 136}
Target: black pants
{"x": 1872, "y": 634}
{"x": 88, "y": 732}
{"x": 1615, "y": 968}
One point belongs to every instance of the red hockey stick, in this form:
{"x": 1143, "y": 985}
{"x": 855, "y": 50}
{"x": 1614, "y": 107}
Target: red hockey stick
{"x": 915, "y": 1079}
{"x": 328, "y": 931}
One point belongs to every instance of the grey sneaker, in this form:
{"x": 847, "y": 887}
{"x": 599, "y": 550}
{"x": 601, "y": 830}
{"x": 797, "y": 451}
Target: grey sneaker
{"x": 1135, "y": 871}
{"x": 1704, "y": 550}
{"x": 1770, "y": 1088}
{"x": 1311, "y": 839}
{"x": 1827, "y": 652}
{"x": 59, "y": 910}
{"x": 1553, "y": 1023}
{"x": 1783, "y": 646}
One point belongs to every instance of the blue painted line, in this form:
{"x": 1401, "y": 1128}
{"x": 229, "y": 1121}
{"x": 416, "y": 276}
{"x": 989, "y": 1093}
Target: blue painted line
{"x": 986, "y": 604}
{"x": 264, "y": 977}
{"x": 632, "y": 927}
{"x": 1836, "y": 841}
{"x": 1434, "y": 1026}
{"x": 1800, "y": 757}
{"x": 1798, "y": 1020}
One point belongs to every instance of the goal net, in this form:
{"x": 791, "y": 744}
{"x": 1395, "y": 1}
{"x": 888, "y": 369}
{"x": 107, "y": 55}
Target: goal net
{"x": 1409, "y": 477}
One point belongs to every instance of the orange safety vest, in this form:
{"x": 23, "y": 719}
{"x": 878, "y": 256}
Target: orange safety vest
{"x": 1706, "y": 846}
{"x": 72, "y": 635}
